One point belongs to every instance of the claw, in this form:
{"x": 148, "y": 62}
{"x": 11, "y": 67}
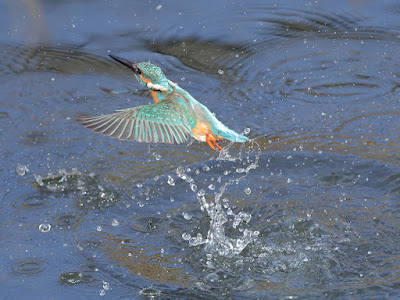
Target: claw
{"x": 212, "y": 142}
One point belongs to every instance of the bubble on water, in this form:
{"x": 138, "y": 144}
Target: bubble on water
{"x": 221, "y": 72}
{"x": 247, "y": 190}
{"x": 139, "y": 185}
{"x": 247, "y": 130}
{"x": 211, "y": 187}
{"x": 21, "y": 169}
{"x": 289, "y": 180}
{"x": 115, "y": 222}
{"x": 171, "y": 199}
{"x": 45, "y": 227}
{"x": 187, "y": 216}
{"x": 201, "y": 193}
{"x": 212, "y": 277}
{"x": 206, "y": 168}
{"x": 102, "y": 292}
{"x": 106, "y": 285}
{"x": 158, "y": 7}
{"x": 186, "y": 236}
{"x": 156, "y": 177}
{"x": 170, "y": 180}
{"x": 99, "y": 228}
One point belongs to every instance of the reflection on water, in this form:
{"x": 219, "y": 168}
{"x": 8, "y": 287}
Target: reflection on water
{"x": 308, "y": 208}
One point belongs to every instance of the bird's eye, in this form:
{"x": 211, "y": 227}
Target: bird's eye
{"x": 137, "y": 70}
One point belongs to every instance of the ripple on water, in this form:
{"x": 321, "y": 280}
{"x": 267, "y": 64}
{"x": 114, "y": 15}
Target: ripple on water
{"x": 150, "y": 292}
{"x": 72, "y": 278}
{"x": 35, "y": 201}
{"x": 16, "y": 59}
{"x": 86, "y": 189}
{"x": 67, "y": 220}
{"x": 29, "y": 266}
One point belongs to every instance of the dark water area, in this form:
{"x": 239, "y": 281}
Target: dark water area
{"x": 309, "y": 208}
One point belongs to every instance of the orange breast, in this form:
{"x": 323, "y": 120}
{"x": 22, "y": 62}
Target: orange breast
{"x": 200, "y": 131}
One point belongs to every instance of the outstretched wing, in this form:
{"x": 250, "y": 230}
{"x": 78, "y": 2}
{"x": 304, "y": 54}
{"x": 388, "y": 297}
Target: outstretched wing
{"x": 159, "y": 122}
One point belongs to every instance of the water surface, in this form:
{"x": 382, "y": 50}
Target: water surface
{"x": 308, "y": 209}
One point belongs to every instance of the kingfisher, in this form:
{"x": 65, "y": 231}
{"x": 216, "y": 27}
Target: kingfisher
{"x": 173, "y": 118}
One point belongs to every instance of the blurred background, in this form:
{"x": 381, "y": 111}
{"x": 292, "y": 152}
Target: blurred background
{"x": 308, "y": 209}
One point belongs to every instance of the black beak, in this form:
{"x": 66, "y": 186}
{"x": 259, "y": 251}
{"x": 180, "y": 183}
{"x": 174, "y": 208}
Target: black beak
{"x": 127, "y": 63}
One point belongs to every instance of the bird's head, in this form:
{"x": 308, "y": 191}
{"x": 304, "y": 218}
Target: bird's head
{"x": 147, "y": 74}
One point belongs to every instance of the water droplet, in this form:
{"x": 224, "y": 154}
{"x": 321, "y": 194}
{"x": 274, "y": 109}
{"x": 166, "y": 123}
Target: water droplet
{"x": 246, "y": 130}
{"x": 211, "y": 187}
{"x": 201, "y": 193}
{"x": 171, "y": 181}
{"x": 247, "y": 190}
{"x": 206, "y": 168}
{"x": 106, "y": 285}
{"x": 221, "y": 72}
{"x": 44, "y": 227}
{"x": 139, "y": 185}
{"x": 194, "y": 241}
{"x": 115, "y": 222}
{"x": 99, "y": 228}
{"x": 180, "y": 171}
{"x": 156, "y": 177}
{"x": 289, "y": 180}
{"x": 21, "y": 169}
{"x": 186, "y": 216}
{"x": 193, "y": 186}
{"x": 159, "y": 7}
{"x": 150, "y": 293}
{"x": 186, "y": 236}
{"x": 102, "y": 292}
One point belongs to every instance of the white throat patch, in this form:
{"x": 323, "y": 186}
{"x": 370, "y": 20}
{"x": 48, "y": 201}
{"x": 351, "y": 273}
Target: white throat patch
{"x": 157, "y": 87}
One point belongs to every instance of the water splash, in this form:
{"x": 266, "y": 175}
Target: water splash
{"x": 219, "y": 211}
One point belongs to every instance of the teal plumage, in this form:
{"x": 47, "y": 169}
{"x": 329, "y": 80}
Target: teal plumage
{"x": 174, "y": 117}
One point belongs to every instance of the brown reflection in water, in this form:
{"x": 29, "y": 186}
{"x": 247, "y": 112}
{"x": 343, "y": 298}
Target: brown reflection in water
{"x": 141, "y": 260}
{"x": 362, "y": 146}
{"x": 377, "y": 114}
{"x": 34, "y": 28}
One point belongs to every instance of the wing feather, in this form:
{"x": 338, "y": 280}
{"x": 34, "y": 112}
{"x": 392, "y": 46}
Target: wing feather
{"x": 160, "y": 122}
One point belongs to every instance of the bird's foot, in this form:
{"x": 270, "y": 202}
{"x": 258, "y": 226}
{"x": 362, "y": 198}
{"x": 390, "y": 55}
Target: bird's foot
{"x": 212, "y": 142}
